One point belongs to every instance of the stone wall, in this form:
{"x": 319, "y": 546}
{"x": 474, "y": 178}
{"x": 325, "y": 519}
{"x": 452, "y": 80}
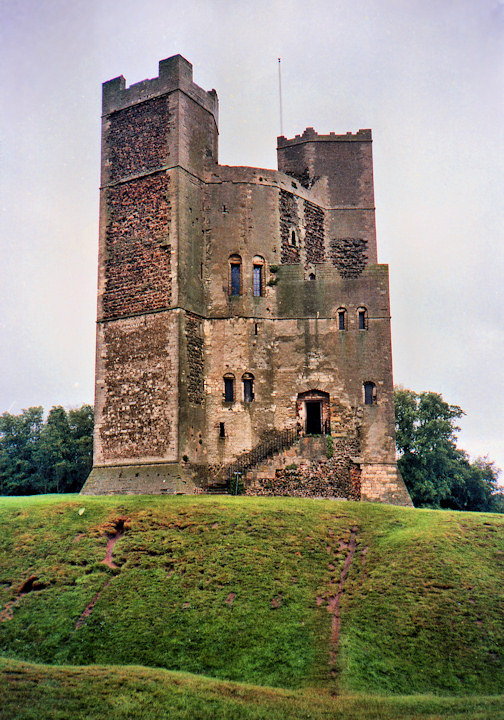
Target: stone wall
{"x": 349, "y": 256}
{"x": 137, "y": 250}
{"x": 137, "y": 138}
{"x": 289, "y": 221}
{"x": 195, "y": 360}
{"x": 137, "y": 392}
{"x": 314, "y": 233}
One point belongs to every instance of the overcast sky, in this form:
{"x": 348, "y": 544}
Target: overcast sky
{"x": 426, "y": 76}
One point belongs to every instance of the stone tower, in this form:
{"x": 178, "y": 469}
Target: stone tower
{"x": 236, "y": 305}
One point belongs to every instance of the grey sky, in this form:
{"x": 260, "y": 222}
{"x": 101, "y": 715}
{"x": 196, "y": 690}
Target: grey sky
{"x": 426, "y": 76}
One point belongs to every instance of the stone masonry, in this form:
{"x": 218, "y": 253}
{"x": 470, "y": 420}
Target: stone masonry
{"x": 235, "y": 303}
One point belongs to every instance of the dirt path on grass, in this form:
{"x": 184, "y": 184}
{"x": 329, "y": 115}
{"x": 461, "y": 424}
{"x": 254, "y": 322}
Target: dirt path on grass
{"x": 114, "y": 532}
{"x": 337, "y": 585}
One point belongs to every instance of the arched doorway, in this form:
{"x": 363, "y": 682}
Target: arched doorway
{"x": 313, "y": 412}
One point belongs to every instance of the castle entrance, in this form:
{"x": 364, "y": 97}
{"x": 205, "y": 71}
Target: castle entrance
{"x": 313, "y": 412}
{"x": 313, "y": 417}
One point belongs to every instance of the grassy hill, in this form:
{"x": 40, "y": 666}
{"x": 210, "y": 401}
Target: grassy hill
{"x": 337, "y": 603}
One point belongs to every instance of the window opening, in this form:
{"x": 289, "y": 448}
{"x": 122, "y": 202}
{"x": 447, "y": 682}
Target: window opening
{"x": 248, "y": 387}
{"x": 229, "y": 388}
{"x": 256, "y": 328}
{"x": 258, "y": 281}
{"x": 221, "y": 430}
{"x": 362, "y": 319}
{"x": 293, "y": 239}
{"x": 311, "y": 276}
{"x": 369, "y": 393}
{"x": 342, "y": 319}
{"x": 235, "y": 275}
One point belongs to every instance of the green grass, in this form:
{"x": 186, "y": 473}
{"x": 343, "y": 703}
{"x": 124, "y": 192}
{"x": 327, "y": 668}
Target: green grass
{"x": 40, "y": 692}
{"x": 238, "y": 589}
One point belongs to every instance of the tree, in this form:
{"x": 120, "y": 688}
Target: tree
{"x": 50, "y": 456}
{"x": 436, "y": 472}
{"x": 19, "y": 438}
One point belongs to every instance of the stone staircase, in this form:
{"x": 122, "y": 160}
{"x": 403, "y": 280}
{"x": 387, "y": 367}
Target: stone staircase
{"x": 307, "y": 449}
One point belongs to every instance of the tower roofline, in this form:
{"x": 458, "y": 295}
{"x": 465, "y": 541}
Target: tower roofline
{"x": 175, "y": 73}
{"x": 310, "y": 135}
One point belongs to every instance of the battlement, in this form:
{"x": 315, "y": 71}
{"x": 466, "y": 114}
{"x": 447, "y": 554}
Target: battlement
{"x": 310, "y": 135}
{"x": 175, "y": 73}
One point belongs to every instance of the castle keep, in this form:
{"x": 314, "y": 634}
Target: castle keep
{"x": 237, "y": 308}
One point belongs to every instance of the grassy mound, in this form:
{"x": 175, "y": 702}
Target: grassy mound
{"x": 32, "y": 692}
{"x": 284, "y": 592}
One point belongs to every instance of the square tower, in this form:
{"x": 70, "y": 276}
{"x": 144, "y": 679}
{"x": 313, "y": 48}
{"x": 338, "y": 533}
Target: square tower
{"x": 241, "y": 311}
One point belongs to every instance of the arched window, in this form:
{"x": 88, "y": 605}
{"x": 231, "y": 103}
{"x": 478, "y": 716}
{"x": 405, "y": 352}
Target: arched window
{"x": 293, "y": 238}
{"x": 369, "y": 393}
{"x": 258, "y": 276}
{"x": 248, "y": 387}
{"x": 229, "y": 387}
{"x": 235, "y": 275}
{"x": 362, "y": 315}
{"x": 311, "y": 276}
{"x": 342, "y": 318}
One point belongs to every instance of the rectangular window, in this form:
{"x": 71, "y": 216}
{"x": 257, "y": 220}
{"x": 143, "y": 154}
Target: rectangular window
{"x": 341, "y": 320}
{"x": 369, "y": 393}
{"x": 228, "y": 389}
{"x": 258, "y": 281}
{"x": 362, "y": 319}
{"x": 235, "y": 279}
{"x": 248, "y": 390}
{"x": 221, "y": 430}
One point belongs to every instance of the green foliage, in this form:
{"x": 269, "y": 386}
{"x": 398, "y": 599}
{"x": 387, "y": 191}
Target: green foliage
{"x": 436, "y": 472}
{"x": 330, "y": 447}
{"x": 44, "y": 457}
{"x": 272, "y": 281}
{"x": 291, "y": 466}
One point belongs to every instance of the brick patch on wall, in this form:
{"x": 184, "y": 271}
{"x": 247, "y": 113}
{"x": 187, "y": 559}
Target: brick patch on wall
{"x": 137, "y": 138}
{"x": 195, "y": 360}
{"x": 314, "y": 236}
{"x": 349, "y": 255}
{"x": 137, "y": 264}
{"x": 289, "y": 220}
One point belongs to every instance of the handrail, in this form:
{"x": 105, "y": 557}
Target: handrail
{"x": 279, "y": 440}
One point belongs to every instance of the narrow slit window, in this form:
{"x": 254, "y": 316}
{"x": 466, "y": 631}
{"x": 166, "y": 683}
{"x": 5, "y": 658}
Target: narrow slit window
{"x": 369, "y": 393}
{"x": 235, "y": 275}
{"x": 258, "y": 281}
{"x": 228, "y": 388}
{"x": 248, "y": 387}
{"x": 342, "y": 319}
{"x": 363, "y": 319}
{"x": 235, "y": 279}
{"x": 222, "y": 432}
{"x": 293, "y": 239}
{"x": 256, "y": 328}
